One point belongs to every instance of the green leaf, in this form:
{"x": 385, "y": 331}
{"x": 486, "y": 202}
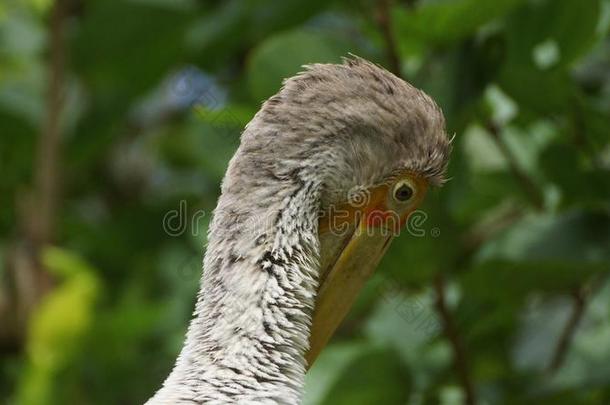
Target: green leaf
{"x": 569, "y": 29}
{"x": 284, "y": 55}
{"x": 518, "y": 279}
{"x": 594, "y": 120}
{"x": 233, "y": 116}
{"x": 59, "y": 324}
{"x": 449, "y": 21}
{"x": 65, "y": 264}
{"x": 207, "y": 140}
{"x": 328, "y": 368}
{"x": 542, "y": 253}
{"x": 407, "y": 322}
{"x": 429, "y": 243}
{"x": 144, "y": 41}
{"x": 374, "y": 376}
{"x": 543, "y": 92}
{"x": 236, "y": 25}
{"x": 573, "y": 237}
{"x": 563, "y": 166}
{"x": 570, "y": 24}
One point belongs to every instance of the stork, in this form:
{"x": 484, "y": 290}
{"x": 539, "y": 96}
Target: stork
{"x": 326, "y": 173}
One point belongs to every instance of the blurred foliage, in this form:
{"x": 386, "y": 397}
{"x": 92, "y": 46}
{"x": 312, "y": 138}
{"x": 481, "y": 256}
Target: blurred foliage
{"x": 156, "y": 95}
{"x": 57, "y": 328}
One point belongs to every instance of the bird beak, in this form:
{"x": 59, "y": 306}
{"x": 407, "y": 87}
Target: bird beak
{"x": 342, "y": 281}
{"x": 351, "y": 249}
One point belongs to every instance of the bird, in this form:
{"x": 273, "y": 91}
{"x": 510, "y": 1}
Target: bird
{"x": 325, "y": 175}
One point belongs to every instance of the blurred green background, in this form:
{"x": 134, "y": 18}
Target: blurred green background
{"x": 118, "y": 117}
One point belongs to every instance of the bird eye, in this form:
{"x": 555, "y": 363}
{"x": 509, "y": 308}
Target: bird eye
{"x": 403, "y": 191}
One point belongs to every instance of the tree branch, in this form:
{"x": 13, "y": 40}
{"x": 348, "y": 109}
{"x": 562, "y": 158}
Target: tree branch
{"x": 450, "y": 330}
{"x": 580, "y": 298}
{"x": 48, "y": 153}
{"x": 449, "y": 325}
{"x": 487, "y": 228}
{"x": 528, "y": 185}
{"x": 384, "y": 22}
{"x": 27, "y": 279}
{"x": 583, "y": 294}
{"x": 563, "y": 344}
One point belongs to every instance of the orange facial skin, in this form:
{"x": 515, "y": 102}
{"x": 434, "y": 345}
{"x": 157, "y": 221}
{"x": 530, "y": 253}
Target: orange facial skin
{"x": 380, "y": 210}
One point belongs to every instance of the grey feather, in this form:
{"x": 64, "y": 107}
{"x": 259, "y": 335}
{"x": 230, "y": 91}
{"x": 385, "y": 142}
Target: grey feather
{"x": 329, "y": 129}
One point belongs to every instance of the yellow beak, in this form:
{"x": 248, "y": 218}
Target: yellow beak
{"x": 342, "y": 280}
{"x": 352, "y": 245}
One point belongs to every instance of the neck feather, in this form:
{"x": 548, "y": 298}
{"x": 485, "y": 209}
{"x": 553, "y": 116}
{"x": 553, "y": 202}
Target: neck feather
{"x": 250, "y": 332}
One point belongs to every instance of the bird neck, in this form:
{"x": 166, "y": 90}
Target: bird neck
{"x": 250, "y": 332}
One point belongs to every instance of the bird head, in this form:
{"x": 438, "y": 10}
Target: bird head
{"x": 367, "y": 146}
